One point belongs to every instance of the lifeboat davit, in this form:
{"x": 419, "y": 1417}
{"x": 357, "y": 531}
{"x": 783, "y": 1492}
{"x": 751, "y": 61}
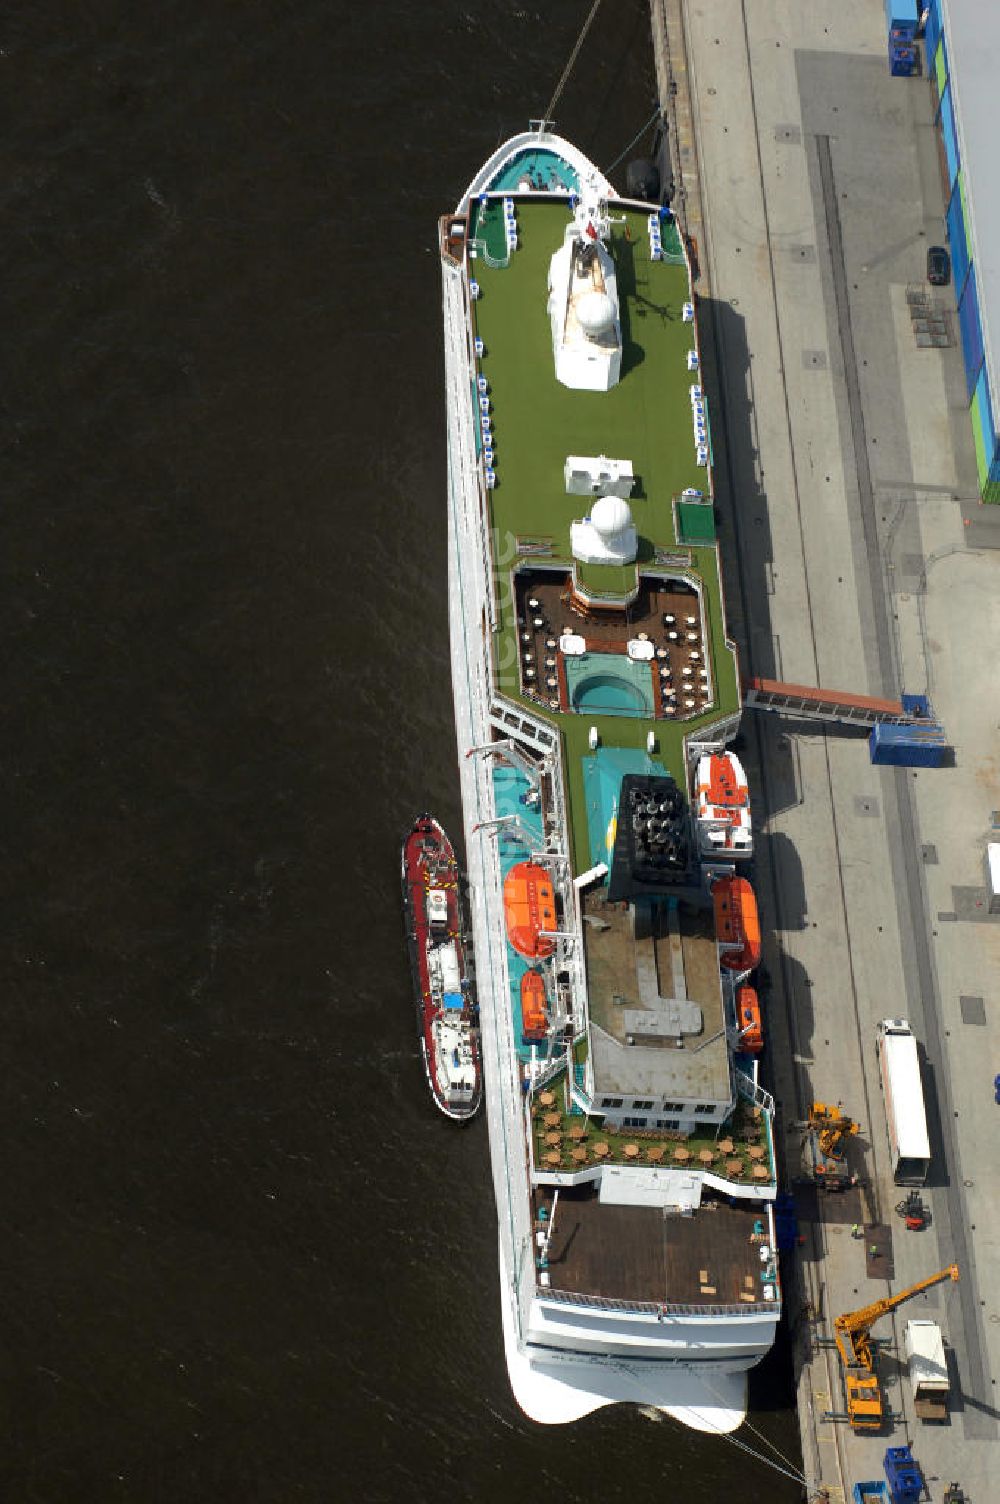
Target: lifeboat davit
{"x": 529, "y": 906}
{"x": 533, "y": 1017}
{"x": 737, "y": 923}
{"x": 749, "y": 1020}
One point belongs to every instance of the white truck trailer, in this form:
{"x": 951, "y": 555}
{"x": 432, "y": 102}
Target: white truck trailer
{"x": 928, "y": 1369}
{"x": 903, "y": 1093}
{"x": 993, "y": 876}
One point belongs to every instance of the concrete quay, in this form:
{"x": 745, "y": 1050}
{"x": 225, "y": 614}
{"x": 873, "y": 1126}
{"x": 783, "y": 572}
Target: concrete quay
{"x": 860, "y": 560}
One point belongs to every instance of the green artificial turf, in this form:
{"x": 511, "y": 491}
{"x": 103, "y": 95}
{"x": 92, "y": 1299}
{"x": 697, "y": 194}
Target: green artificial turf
{"x": 696, "y": 522}
{"x": 646, "y": 418}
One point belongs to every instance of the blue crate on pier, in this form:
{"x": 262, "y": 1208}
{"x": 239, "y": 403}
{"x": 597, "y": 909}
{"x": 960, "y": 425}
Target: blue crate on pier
{"x": 902, "y": 18}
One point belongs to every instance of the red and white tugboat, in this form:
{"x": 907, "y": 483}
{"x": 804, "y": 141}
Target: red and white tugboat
{"x": 446, "y": 1013}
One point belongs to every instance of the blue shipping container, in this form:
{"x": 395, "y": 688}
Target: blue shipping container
{"x": 902, "y": 59}
{"x": 972, "y": 332}
{"x": 957, "y": 241}
{"x": 932, "y": 30}
{"x": 921, "y": 746}
{"x": 903, "y": 1474}
{"x": 950, "y": 134}
{"x": 902, "y": 18}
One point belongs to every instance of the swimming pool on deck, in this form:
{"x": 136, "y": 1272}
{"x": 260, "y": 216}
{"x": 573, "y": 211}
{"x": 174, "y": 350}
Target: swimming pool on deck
{"x": 542, "y": 169}
{"x": 609, "y": 684}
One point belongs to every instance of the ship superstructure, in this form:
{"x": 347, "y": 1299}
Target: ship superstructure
{"x": 608, "y": 833}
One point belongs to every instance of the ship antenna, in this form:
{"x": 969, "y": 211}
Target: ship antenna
{"x": 572, "y": 59}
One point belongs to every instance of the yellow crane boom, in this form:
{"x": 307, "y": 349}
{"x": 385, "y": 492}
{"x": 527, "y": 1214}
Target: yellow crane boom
{"x": 853, "y": 1334}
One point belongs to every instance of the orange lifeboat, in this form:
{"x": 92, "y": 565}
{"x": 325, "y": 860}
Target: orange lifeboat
{"x": 748, "y": 1018}
{"x": 529, "y": 906}
{"x": 722, "y": 781}
{"x": 737, "y": 924}
{"x": 533, "y": 1019}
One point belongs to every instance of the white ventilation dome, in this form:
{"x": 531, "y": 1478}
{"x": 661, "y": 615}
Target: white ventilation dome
{"x": 611, "y": 516}
{"x": 595, "y": 312}
{"x": 608, "y": 535}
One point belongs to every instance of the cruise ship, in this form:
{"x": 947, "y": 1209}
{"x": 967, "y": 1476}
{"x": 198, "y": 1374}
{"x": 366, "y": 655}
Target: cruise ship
{"x": 608, "y": 829}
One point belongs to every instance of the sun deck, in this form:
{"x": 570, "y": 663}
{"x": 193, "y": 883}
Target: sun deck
{"x": 710, "y": 1258}
{"x": 663, "y": 621}
{"x": 563, "y": 1141}
{"x": 535, "y": 424}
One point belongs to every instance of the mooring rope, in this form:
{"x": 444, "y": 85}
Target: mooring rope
{"x": 743, "y": 1446}
{"x": 654, "y": 116}
{"x": 789, "y": 1470}
{"x": 569, "y": 66}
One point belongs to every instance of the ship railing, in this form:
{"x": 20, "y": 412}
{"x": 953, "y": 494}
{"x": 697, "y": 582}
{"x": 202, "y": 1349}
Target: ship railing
{"x": 475, "y": 607}
{"x": 521, "y": 725}
{"x": 463, "y": 457}
{"x": 561, "y": 1064}
{"x": 500, "y": 1019}
{"x": 581, "y": 1099}
{"x": 524, "y": 1272}
{"x": 498, "y": 263}
{"x": 712, "y": 738}
{"x": 548, "y": 1073}
{"x": 753, "y": 1092}
{"x": 662, "y": 1307}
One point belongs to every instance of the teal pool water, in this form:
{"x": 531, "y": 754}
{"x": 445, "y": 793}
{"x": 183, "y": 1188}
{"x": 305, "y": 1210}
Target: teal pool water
{"x": 609, "y": 684}
{"x": 603, "y": 772}
{"x": 547, "y": 171}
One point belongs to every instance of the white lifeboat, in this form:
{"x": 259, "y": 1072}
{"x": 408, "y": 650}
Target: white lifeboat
{"x": 722, "y": 801}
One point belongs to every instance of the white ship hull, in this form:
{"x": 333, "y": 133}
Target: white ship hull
{"x": 565, "y": 1358}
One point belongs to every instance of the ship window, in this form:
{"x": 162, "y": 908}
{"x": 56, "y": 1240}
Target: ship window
{"x": 640, "y": 1105}
{"x": 708, "y": 1108}
{"x": 634, "y": 1122}
{"x": 667, "y": 1122}
{"x": 673, "y": 1107}
{"x": 612, "y": 1101}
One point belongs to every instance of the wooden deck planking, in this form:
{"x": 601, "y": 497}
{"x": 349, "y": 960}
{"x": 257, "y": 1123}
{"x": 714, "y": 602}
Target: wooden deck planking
{"x": 638, "y": 1253}
{"x": 716, "y": 1240}
{"x": 613, "y": 1251}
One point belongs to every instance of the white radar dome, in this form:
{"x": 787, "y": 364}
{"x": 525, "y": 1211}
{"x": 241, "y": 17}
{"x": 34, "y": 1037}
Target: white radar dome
{"x": 611, "y": 515}
{"x": 596, "y": 312}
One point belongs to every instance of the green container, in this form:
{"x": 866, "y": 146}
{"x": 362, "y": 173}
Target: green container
{"x": 982, "y": 458}
{"x": 940, "y": 69}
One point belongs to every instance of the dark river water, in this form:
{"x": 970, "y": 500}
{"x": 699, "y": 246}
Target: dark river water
{"x": 242, "y": 1258}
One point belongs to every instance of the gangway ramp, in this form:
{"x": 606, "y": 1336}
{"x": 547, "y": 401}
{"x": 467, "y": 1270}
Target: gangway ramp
{"x": 827, "y": 704}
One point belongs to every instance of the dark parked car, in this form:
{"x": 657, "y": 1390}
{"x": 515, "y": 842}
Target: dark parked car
{"x": 938, "y": 266}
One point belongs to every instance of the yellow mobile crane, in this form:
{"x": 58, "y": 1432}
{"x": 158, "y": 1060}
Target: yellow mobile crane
{"x": 853, "y": 1334}
{"x": 824, "y": 1149}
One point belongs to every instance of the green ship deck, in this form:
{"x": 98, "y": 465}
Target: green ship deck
{"x": 646, "y": 419}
